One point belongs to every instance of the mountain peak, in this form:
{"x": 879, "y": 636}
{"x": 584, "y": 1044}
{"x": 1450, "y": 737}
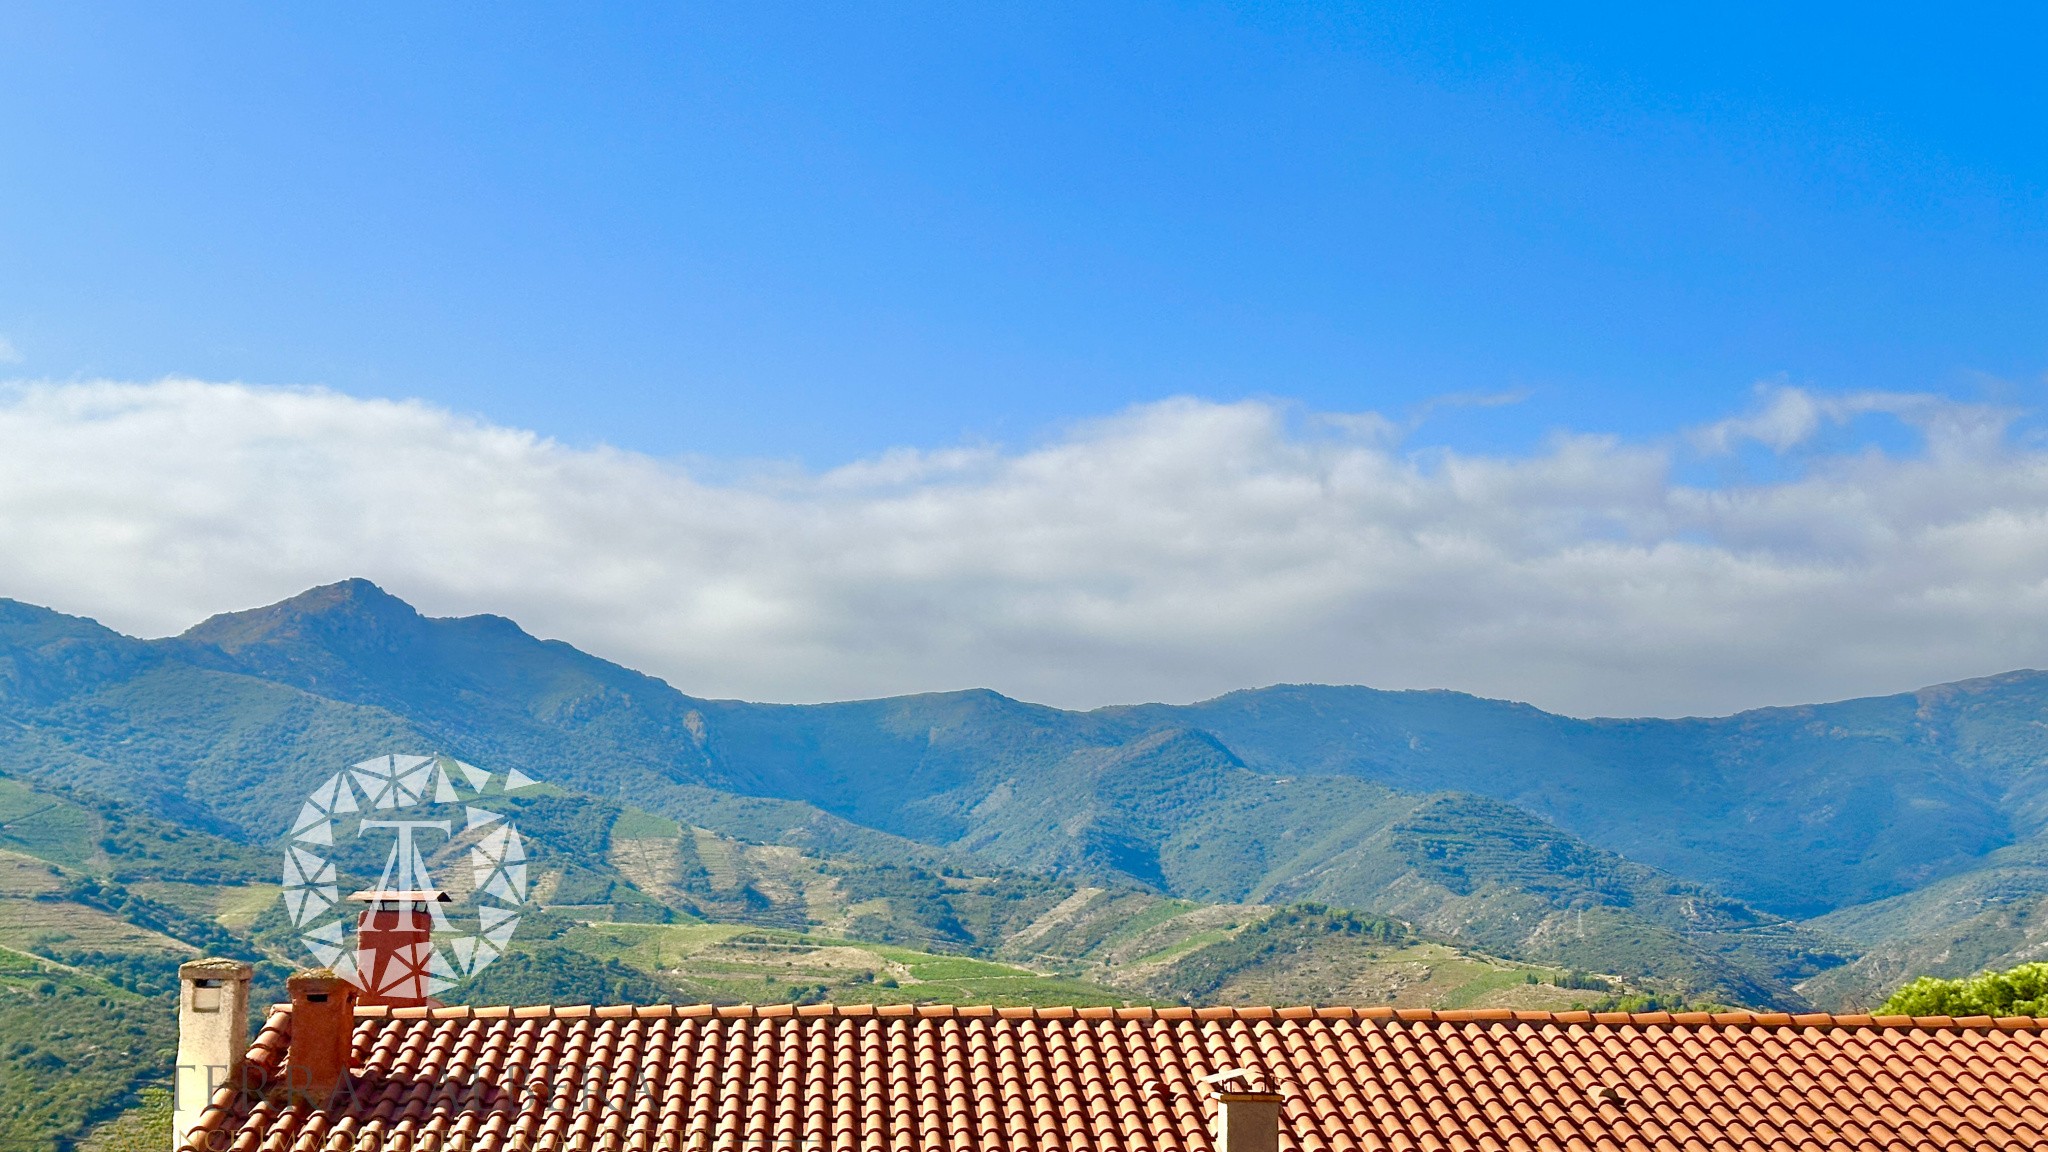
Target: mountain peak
{"x": 349, "y": 605}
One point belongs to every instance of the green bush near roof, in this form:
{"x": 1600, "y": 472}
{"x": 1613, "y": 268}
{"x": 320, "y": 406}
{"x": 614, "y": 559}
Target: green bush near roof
{"x": 2021, "y": 991}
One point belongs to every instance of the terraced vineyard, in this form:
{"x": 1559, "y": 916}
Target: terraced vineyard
{"x": 630, "y": 907}
{"x": 74, "y": 1049}
{"x": 729, "y": 962}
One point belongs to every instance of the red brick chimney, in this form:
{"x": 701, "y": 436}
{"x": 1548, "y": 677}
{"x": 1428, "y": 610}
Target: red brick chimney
{"x": 323, "y": 1030}
{"x": 394, "y": 946}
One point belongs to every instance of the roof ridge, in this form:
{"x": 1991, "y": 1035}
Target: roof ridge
{"x": 1205, "y": 1014}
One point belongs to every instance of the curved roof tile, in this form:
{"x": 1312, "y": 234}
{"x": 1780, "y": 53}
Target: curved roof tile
{"x": 781, "y": 1078}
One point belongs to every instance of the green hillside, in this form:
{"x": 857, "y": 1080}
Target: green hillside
{"x": 91, "y": 960}
{"x": 1799, "y": 811}
{"x": 74, "y": 1050}
{"x": 629, "y": 906}
{"x": 1795, "y": 810}
{"x": 224, "y": 728}
{"x": 1991, "y": 917}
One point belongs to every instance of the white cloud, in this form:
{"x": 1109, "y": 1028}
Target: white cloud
{"x": 9, "y": 354}
{"x": 1788, "y": 418}
{"x": 1174, "y": 551}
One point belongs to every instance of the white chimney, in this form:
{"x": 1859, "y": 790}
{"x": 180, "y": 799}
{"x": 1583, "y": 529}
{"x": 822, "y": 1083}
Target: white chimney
{"x": 1247, "y": 1116}
{"x": 213, "y": 1035}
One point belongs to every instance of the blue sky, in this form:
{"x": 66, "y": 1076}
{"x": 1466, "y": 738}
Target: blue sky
{"x": 1618, "y": 361}
{"x": 815, "y": 233}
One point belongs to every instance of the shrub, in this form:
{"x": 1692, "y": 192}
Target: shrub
{"x": 1583, "y": 980}
{"x": 1648, "y": 1002}
{"x": 2021, "y": 991}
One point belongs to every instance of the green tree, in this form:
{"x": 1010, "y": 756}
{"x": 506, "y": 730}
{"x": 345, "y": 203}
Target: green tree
{"x": 2021, "y": 991}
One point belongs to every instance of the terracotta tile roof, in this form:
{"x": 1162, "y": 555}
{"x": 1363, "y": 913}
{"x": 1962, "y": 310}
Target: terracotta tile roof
{"x": 932, "y": 1079}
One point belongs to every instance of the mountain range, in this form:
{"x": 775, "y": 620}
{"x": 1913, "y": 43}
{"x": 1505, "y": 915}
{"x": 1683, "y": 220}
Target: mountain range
{"x": 1799, "y": 857}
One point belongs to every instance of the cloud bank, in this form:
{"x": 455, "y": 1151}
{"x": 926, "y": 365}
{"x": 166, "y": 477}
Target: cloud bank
{"x": 1175, "y": 551}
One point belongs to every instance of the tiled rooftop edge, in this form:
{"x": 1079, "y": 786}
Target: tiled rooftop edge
{"x": 1296, "y": 1013}
{"x": 765, "y": 1078}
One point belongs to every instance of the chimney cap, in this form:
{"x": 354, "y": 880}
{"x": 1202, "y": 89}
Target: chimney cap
{"x": 216, "y": 968}
{"x": 395, "y": 896}
{"x": 1239, "y": 1084}
{"x": 313, "y": 979}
